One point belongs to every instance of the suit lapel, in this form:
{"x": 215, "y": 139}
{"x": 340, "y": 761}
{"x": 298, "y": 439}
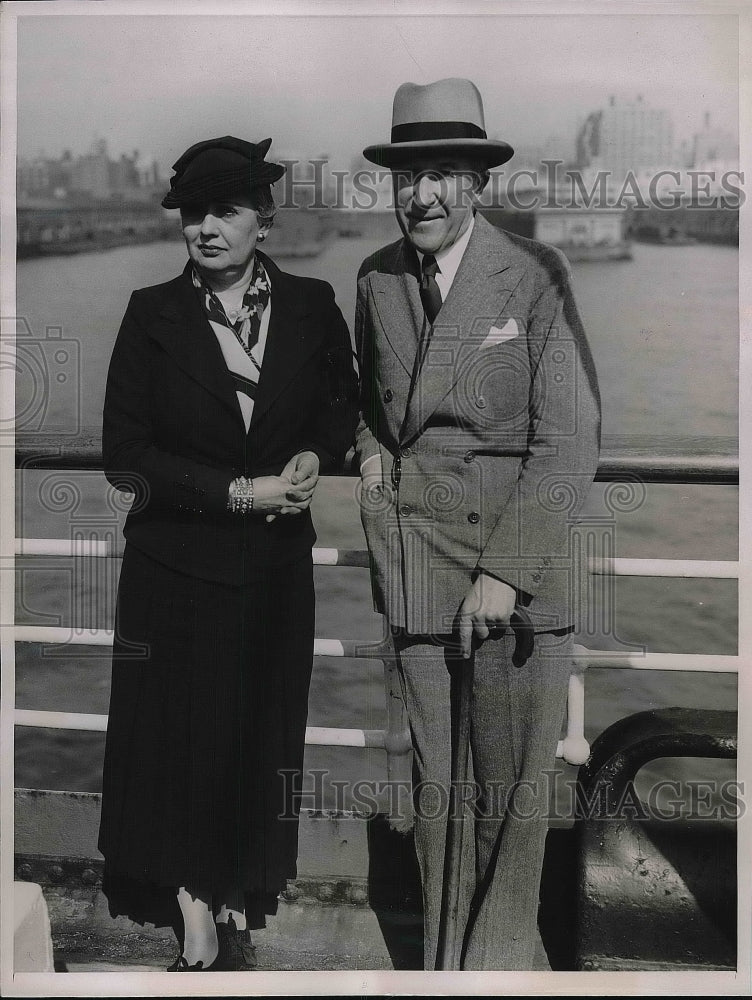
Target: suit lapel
{"x": 396, "y": 297}
{"x": 183, "y": 330}
{"x": 485, "y": 280}
{"x": 293, "y": 336}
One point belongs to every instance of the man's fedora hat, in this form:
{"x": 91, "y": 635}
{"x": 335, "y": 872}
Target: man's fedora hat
{"x": 220, "y": 168}
{"x": 443, "y": 116}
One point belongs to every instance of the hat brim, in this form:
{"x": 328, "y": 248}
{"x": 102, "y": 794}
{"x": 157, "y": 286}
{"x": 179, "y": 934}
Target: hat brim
{"x": 493, "y": 152}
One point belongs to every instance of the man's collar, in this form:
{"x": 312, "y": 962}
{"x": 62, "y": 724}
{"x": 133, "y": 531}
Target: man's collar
{"x": 449, "y": 259}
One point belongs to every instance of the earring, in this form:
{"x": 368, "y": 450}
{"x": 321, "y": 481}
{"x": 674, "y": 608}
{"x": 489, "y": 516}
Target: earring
{"x": 261, "y": 237}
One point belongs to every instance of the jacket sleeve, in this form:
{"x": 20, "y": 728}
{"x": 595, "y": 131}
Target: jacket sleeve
{"x": 336, "y": 417}
{"x": 366, "y": 443}
{"x": 132, "y": 460}
{"x": 563, "y": 441}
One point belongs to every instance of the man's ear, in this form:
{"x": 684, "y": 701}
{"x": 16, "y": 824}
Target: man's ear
{"x": 483, "y": 176}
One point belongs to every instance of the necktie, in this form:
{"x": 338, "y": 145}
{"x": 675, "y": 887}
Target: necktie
{"x": 430, "y": 294}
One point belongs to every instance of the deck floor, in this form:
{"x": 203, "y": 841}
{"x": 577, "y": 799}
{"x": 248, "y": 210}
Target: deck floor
{"x": 270, "y": 960}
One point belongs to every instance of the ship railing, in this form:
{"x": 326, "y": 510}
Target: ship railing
{"x": 615, "y": 467}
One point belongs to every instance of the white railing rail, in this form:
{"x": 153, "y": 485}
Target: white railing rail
{"x": 715, "y": 569}
{"x": 574, "y": 748}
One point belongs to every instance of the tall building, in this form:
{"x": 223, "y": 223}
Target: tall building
{"x": 91, "y": 173}
{"x": 713, "y": 145}
{"x": 32, "y": 175}
{"x": 531, "y": 156}
{"x": 624, "y": 136}
{"x": 134, "y": 177}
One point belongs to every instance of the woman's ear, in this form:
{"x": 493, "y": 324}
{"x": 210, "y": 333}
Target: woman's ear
{"x": 263, "y": 232}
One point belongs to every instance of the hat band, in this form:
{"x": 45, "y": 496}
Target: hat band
{"x": 417, "y": 131}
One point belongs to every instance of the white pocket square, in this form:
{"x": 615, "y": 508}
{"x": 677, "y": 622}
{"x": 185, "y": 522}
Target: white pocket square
{"x": 497, "y": 336}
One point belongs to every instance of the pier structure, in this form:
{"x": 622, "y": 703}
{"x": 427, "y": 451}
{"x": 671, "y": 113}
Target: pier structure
{"x": 46, "y": 226}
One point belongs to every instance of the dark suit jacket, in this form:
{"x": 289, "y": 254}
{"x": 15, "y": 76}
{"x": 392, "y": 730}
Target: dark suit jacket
{"x": 173, "y": 432}
{"x": 498, "y": 440}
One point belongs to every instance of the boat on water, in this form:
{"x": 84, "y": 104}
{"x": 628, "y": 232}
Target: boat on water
{"x": 666, "y": 236}
{"x": 627, "y": 885}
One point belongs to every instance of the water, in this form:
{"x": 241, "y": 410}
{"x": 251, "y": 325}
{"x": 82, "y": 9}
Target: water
{"x": 664, "y": 332}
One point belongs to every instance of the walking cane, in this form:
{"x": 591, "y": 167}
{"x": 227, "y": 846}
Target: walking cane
{"x": 449, "y": 948}
{"x": 450, "y": 940}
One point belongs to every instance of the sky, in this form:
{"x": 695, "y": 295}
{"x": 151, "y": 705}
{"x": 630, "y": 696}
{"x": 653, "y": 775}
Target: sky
{"x": 325, "y": 83}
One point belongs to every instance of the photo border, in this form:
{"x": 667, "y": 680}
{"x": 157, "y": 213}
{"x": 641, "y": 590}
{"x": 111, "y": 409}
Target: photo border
{"x": 361, "y": 982}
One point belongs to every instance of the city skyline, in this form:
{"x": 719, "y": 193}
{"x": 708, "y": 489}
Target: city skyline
{"x": 566, "y": 145}
{"x": 624, "y": 139}
{"x": 157, "y": 83}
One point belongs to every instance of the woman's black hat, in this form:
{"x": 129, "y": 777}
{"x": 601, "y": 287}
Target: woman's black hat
{"x": 219, "y": 168}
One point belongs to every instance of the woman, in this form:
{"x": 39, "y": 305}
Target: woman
{"x": 230, "y": 389}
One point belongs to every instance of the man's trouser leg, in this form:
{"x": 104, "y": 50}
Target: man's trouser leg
{"x": 516, "y": 722}
{"x": 430, "y": 693}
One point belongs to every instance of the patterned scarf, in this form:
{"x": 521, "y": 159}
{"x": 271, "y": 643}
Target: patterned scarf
{"x": 248, "y": 323}
{"x": 243, "y": 367}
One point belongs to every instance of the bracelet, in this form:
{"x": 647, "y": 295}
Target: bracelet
{"x": 240, "y": 496}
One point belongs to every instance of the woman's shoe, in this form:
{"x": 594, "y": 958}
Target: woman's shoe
{"x": 180, "y": 965}
{"x": 236, "y": 952}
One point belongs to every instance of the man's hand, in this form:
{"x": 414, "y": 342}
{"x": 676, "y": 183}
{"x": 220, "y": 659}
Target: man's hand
{"x": 302, "y": 473}
{"x": 372, "y": 484}
{"x": 489, "y": 602}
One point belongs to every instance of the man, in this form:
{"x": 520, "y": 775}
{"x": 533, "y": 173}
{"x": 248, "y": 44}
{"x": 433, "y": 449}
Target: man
{"x": 477, "y": 445}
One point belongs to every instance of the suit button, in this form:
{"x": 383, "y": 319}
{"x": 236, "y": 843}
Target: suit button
{"x": 536, "y": 578}
{"x": 405, "y": 509}
{"x": 480, "y": 402}
{"x": 469, "y": 456}
{"x": 388, "y": 396}
{"x": 406, "y": 453}
{"x": 473, "y": 517}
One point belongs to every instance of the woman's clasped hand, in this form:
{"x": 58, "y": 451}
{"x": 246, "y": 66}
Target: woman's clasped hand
{"x": 291, "y": 491}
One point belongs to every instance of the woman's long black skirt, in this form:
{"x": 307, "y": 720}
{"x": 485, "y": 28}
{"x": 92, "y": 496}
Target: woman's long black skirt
{"x": 205, "y": 738}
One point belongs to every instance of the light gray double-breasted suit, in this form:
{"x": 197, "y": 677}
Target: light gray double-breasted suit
{"x": 500, "y": 442}
{"x": 485, "y": 462}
